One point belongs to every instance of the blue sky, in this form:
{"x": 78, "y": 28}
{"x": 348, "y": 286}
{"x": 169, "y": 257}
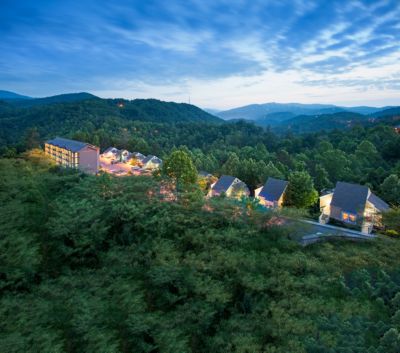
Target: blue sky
{"x": 220, "y": 53}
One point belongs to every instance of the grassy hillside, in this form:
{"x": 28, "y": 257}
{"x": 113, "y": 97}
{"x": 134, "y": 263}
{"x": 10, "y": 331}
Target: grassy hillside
{"x": 93, "y": 264}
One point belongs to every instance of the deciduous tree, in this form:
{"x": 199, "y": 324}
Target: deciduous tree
{"x": 180, "y": 167}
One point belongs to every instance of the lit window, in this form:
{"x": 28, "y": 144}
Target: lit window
{"x": 349, "y": 217}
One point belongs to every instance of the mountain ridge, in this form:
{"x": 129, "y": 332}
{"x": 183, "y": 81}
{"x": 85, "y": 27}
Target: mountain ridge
{"x": 8, "y": 95}
{"x": 262, "y": 112}
{"x": 59, "y": 98}
{"x": 60, "y": 118}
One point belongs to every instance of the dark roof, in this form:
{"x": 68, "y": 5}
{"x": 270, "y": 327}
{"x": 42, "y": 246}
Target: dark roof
{"x": 71, "y": 145}
{"x": 139, "y": 155}
{"x": 148, "y": 158}
{"x": 273, "y": 189}
{"x": 378, "y": 202}
{"x": 350, "y": 197}
{"x": 111, "y": 149}
{"x": 204, "y": 174}
{"x": 223, "y": 183}
{"x": 122, "y": 152}
{"x": 151, "y": 157}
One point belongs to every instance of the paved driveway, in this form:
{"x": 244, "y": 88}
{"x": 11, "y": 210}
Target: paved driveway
{"x": 313, "y": 232}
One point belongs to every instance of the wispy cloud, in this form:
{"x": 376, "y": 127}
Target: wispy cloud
{"x": 222, "y": 53}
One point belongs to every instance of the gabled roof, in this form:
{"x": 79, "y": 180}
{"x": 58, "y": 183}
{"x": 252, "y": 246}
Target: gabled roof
{"x": 126, "y": 152}
{"x": 152, "y": 158}
{"x": 350, "y": 197}
{"x": 378, "y": 202}
{"x": 71, "y": 145}
{"x": 204, "y": 174}
{"x": 111, "y": 149}
{"x": 273, "y": 189}
{"x": 138, "y": 155}
{"x": 224, "y": 183}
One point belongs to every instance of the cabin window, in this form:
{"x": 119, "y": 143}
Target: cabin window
{"x": 349, "y": 217}
{"x": 269, "y": 203}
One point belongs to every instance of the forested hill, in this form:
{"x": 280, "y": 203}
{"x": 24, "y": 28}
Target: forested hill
{"x": 263, "y": 112}
{"x": 388, "y": 112}
{"x": 301, "y": 118}
{"x": 93, "y": 264}
{"x": 12, "y": 96}
{"x": 310, "y": 123}
{"x": 61, "y": 98}
{"x": 90, "y": 114}
{"x": 159, "y": 111}
{"x": 340, "y": 121}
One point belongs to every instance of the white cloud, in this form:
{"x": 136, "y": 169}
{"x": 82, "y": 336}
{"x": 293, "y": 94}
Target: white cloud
{"x": 169, "y": 37}
{"x": 288, "y": 86}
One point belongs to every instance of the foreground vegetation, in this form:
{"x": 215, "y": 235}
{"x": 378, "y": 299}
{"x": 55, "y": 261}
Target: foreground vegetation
{"x": 100, "y": 264}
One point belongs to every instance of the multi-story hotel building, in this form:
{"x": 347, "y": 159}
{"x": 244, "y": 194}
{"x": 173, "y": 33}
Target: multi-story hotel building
{"x": 73, "y": 154}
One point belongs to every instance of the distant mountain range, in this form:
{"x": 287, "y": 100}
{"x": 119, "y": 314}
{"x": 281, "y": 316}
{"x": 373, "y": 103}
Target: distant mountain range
{"x": 276, "y": 113}
{"x": 7, "y": 95}
{"x": 20, "y": 112}
{"x": 300, "y": 118}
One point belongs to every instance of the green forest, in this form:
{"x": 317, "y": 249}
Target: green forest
{"x": 105, "y": 264}
{"x": 368, "y": 155}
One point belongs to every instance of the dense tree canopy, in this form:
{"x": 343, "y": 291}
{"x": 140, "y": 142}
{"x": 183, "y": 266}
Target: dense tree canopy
{"x": 101, "y": 264}
{"x": 364, "y": 155}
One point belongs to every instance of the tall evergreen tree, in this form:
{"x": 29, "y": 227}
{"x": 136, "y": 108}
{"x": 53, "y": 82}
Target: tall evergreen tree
{"x": 301, "y": 192}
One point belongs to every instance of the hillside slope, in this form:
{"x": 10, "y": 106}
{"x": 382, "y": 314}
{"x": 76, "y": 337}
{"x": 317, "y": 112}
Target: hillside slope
{"x": 61, "y": 98}
{"x": 12, "y": 95}
{"x": 387, "y": 112}
{"x": 109, "y": 114}
{"x": 311, "y": 123}
{"x": 341, "y": 120}
{"x": 275, "y": 113}
{"x": 111, "y": 267}
{"x": 261, "y": 111}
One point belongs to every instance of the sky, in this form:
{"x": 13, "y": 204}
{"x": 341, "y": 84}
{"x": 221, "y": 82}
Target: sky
{"x": 217, "y": 53}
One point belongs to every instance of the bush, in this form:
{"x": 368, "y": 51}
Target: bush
{"x": 392, "y": 233}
